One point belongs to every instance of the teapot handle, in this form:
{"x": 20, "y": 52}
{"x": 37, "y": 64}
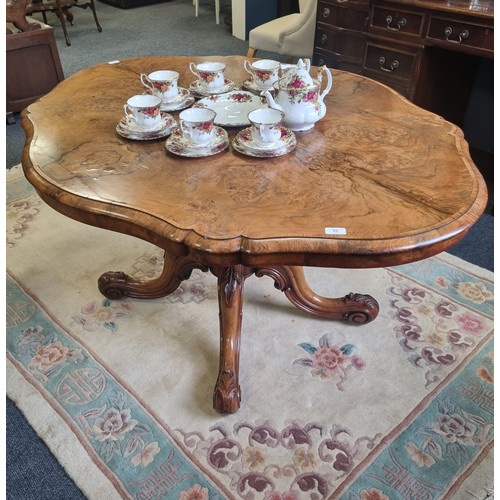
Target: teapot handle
{"x": 329, "y": 80}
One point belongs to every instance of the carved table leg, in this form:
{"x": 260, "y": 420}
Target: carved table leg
{"x": 177, "y": 267}
{"x": 227, "y": 394}
{"x": 354, "y": 307}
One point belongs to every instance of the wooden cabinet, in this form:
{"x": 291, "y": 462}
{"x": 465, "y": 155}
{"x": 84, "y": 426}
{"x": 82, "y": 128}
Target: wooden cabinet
{"x": 340, "y": 34}
{"x": 33, "y": 66}
{"x": 426, "y": 50}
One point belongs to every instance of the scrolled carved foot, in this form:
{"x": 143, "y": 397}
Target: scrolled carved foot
{"x": 360, "y": 308}
{"x": 227, "y": 393}
{"x": 114, "y": 284}
{"x": 356, "y": 308}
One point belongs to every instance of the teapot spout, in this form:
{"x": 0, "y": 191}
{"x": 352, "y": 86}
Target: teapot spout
{"x": 270, "y": 101}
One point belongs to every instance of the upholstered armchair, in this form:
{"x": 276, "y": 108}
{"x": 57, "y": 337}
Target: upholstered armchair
{"x": 291, "y": 35}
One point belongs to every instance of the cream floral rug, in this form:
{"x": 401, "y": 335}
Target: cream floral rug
{"x": 121, "y": 391}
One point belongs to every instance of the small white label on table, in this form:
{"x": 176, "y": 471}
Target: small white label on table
{"x": 341, "y": 231}
{"x": 113, "y": 62}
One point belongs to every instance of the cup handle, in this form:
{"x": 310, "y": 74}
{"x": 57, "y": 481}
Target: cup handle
{"x": 248, "y": 67}
{"x": 192, "y": 68}
{"x": 184, "y": 130}
{"x": 262, "y": 132}
{"x": 146, "y": 83}
{"x": 128, "y": 115}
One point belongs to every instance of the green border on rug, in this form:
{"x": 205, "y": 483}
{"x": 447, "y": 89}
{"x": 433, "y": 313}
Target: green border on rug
{"x": 118, "y": 433}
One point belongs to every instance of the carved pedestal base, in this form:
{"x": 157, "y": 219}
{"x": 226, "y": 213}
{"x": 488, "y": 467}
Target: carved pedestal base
{"x": 354, "y": 307}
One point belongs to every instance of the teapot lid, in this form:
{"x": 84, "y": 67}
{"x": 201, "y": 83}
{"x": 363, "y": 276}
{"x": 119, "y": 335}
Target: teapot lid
{"x": 299, "y": 76}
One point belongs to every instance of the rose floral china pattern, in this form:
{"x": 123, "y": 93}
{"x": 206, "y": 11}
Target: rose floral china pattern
{"x": 178, "y": 144}
{"x": 197, "y": 125}
{"x": 128, "y": 129}
{"x": 200, "y": 90}
{"x": 245, "y": 144}
{"x": 162, "y": 83}
{"x": 300, "y": 98}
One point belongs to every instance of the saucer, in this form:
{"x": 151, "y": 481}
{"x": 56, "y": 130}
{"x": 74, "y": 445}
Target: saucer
{"x": 177, "y": 106}
{"x": 128, "y": 129}
{"x": 198, "y": 88}
{"x": 251, "y": 86}
{"x": 182, "y": 100}
{"x": 178, "y": 144}
{"x": 244, "y": 144}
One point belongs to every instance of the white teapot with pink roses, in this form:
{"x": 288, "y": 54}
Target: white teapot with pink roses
{"x": 299, "y": 96}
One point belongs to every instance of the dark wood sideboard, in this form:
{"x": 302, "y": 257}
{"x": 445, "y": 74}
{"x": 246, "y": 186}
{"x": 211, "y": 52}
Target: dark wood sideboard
{"x": 33, "y": 66}
{"x": 427, "y": 50}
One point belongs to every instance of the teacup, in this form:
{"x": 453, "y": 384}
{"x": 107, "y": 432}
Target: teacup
{"x": 265, "y": 126}
{"x": 197, "y": 125}
{"x": 162, "y": 84}
{"x": 264, "y": 72}
{"x": 210, "y": 74}
{"x": 144, "y": 110}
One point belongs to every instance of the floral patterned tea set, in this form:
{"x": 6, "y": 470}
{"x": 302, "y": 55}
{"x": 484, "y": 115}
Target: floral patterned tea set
{"x": 273, "y": 103}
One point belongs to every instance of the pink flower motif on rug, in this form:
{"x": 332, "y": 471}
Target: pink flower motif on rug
{"x": 372, "y": 494}
{"x": 196, "y": 492}
{"x": 118, "y": 434}
{"x": 49, "y": 358}
{"x": 95, "y": 315}
{"x": 328, "y": 361}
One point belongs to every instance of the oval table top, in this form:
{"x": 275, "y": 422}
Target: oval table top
{"x": 397, "y": 179}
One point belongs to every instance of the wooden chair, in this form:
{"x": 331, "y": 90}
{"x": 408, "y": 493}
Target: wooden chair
{"x": 196, "y": 4}
{"x": 32, "y": 62}
{"x": 291, "y": 35}
{"x": 62, "y": 9}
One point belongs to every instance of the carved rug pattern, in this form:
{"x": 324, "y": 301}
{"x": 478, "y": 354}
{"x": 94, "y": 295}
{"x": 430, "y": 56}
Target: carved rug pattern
{"x": 121, "y": 391}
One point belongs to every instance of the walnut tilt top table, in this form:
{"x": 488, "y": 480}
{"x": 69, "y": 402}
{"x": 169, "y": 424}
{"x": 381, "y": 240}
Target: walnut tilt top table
{"x": 377, "y": 182}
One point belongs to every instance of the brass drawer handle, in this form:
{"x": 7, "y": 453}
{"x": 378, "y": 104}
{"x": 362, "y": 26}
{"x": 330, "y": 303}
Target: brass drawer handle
{"x": 401, "y": 23}
{"x": 326, "y": 12}
{"x": 324, "y": 39}
{"x": 394, "y": 65}
{"x": 462, "y": 36}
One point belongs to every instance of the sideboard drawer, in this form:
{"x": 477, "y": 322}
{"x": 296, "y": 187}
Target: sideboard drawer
{"x": 389, "y": 19}
{"x": 349, "y": 44}
{"x": 343, "y": 15}
{"x": 391, "y": 64}
{"x": 326, "y": 59}
{"x": 452, "y": 33}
